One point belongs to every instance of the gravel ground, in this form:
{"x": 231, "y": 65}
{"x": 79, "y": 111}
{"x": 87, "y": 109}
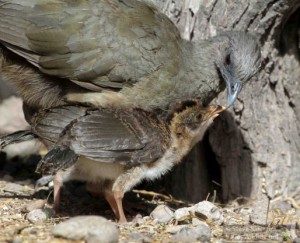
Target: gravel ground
{"x": 18, "y": 192}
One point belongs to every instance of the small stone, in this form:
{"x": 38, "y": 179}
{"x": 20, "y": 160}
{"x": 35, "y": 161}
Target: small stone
{"x": 162, "y": 214}
{"x": 29, "y": 230}
{"x": 196, "y": 221}
{"x": 259, "y": 214}
{"x": 174, "y": 228}
{"x": 89, "y": 228}
{"x": 5, "y": 208}
{"x": 200, "y": 233}
{"x": 204, "y": 232}
{"x": 138, "y": 220}
{"x": 51, "y": 184}
{"x": 236, "y": 216}
{"x": 14, "y": 188}
{"x": 296, "y": 240}
{"x": 146, "y": 218}
{"x": 38, "y": 204}
{"x": 182, "y": 213}
{"x": 155, "y": 221}
{"x": 140, "y": 237}
{"x": 208, "y": 210}
{"x": 39, "y": 215}
{"x": 43, "y": 181}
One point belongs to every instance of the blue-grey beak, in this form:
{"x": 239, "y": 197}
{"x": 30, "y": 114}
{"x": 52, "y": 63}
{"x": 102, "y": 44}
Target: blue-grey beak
{"x": 234, "y": 87}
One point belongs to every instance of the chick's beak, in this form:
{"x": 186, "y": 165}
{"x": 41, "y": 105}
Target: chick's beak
{"x": 234, "y": 87}
{"x": 215, "y": 110}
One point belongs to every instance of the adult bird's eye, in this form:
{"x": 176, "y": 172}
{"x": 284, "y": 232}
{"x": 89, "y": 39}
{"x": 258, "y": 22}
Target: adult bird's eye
{"x": 227, "y": 60}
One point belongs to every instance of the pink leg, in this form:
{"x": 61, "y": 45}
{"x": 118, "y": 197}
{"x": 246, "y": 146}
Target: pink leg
{"x": 118, "y": 195}
{"x": 58, "y": 182}
{"x": 109, "y": 196}
{"x": 97, "y": 190}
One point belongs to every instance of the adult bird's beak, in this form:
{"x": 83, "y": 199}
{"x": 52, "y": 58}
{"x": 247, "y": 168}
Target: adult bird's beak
{"x": 234, "y": 87}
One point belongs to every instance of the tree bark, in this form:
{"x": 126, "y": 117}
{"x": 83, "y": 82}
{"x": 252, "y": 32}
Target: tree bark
{"x": 256, "y": 144}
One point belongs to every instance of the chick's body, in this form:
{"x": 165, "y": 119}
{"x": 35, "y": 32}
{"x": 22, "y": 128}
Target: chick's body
{"x": 113, "y": 149}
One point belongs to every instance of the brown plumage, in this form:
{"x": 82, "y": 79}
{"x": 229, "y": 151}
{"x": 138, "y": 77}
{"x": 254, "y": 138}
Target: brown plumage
{"x": 114, "y": 148}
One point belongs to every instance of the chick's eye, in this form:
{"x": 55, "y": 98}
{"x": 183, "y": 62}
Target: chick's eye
{"x": 227, "y": 60}
{"x": 199, "y": 117}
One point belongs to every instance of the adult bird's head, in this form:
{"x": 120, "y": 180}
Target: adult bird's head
{"x": 239, "y": 58}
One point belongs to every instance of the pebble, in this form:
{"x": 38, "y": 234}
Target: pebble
{"x": 14, "y": 188}
{"x": 296, "y": 240}
{"x": 5, "y": 208}
{"x": 200, "y": 233}
{"x": 140, "y": 237}
{"x": 44, "y": 181}
{"x": 138, "y": 220}
{"x": 182, "y": 213}
{"x": 209, "y": 211}
{"x": 92, "y": 229}
{"x": 196, "y": 221}
{"x": 162, "y": 214}
{"x": 146, "y": 218}
{"x": 236, "y": 216}
{"x": 39, "y": 215}
{"x": 29, "y": 230}
{"x": 204, "y": 232}
{"x": 37, "y": 204}
{"x": 174, "y": 228}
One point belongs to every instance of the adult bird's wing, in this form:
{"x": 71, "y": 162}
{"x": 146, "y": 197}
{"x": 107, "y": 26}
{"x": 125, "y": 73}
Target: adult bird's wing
{"x": 109, "y": 43}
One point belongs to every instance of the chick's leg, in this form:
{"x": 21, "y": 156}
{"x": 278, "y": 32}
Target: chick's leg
{"x": 57, "y": 184}
{"x": 105, "y": 189}
{"x": 124, "y": 183}
{"x": 60, "y": 177}
{"x": 109, "y": 196}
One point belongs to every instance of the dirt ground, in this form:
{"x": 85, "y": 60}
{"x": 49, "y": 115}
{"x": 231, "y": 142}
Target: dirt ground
{"x": 17, "y": 190}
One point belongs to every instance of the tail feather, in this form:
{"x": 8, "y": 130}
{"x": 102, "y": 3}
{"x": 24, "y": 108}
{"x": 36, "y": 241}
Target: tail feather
{"x": 58, "y": 158}
{"x": 16, "y": 137}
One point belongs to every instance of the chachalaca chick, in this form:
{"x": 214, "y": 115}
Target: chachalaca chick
{"x": 115, "y": 148}
{"x": 127, "y": 50}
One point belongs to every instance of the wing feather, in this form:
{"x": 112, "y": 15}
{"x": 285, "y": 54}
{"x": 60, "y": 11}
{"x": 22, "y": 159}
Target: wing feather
{"x": 99, "y": 134}
{"x": 109, "y": 43}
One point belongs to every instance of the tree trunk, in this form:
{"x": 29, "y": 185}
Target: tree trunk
{"x": 254, "y": 147}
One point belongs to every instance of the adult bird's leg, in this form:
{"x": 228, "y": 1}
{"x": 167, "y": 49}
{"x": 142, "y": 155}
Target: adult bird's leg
{"x": 123, "y": 184}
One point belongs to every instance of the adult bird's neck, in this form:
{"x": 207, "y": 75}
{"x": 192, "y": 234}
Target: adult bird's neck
{"x": 199, "y": 75}
{"x": 195, "y": 77}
